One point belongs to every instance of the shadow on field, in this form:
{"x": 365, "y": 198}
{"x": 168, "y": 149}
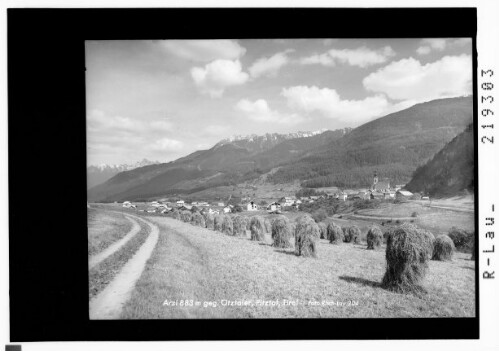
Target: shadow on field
{"x": 360, "y": 281}
{"x": 286, "y": 252}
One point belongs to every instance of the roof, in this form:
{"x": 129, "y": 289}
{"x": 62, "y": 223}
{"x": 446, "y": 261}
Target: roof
{"x": 405, "y": 192}
{"x": 382, "y": 185}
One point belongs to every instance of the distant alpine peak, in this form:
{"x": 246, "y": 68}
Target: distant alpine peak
{"x": 269, "y": 136}
{"x": 124, "y": 167}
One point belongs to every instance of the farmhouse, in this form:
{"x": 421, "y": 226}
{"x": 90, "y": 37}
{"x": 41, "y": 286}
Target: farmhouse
{"x": 180, "y": 202}
{"x": 127, "y": 204}
{"x": 403, "y": 194}
{"x": 377, "y": 195}
{"x": 251, "y": 206}
{"x": 227, "y": 209}
{"x": 275, "y": 206}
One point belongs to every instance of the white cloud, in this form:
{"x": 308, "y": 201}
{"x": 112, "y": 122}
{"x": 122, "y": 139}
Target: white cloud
{"x": 269, "y": 66}
{"x": 408, "y": 79}
{"x": 259, "y": 111}
{"x": 317, "y": 59}
{"x": 216, "y": 130}
{"x": 360, "y": 57}
{"x": 329, "y": 103}
{"x": 428, "y": 45}
{"x": 166, "y": 144}
{"x": 218, "y": 75}
{"x": 204, "y": 50}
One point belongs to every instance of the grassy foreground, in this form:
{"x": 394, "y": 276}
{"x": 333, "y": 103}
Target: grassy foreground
{"x": 222, "y": 273}
{"x": 104, "y": 228}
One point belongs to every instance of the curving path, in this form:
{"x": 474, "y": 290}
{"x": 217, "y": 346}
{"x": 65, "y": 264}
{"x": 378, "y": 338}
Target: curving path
{"x": 101, "y": 256}
{"x": 109, "y": 302}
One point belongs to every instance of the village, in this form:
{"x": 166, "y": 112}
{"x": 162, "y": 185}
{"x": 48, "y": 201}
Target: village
{"x": 379, "y": 190}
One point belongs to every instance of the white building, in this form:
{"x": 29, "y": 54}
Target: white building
{"x": 251, "y": 206}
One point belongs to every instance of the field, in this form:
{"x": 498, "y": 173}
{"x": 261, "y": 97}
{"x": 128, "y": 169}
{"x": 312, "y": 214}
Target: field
{"x": 235, "y": 277}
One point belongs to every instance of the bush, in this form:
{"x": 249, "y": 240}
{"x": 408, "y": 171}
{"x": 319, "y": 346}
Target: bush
{"x": 257, "y": 228}
{"x": 198, "y": 220}
{"x": 374, "y": 238}
{"x": 239, "y": 226}
{"x": 217, "y": 222}
{"x": 319, "y": 215}
{"x": 463, "y": 240}
{"x": 397, "y": 221}
{"x": 307, "y": 233}
{"x": 414, "y": 214}
{"x": 227, "y": 226}
{"x": 281, "y": 232}
{"x": 322, "y": 230}
{"x": 352, "y": 235}
{"x": 186, "y": 216}
{"x": 407, "y": 256}
{"x": 443, "y": 248}
{"x": 209, "y": 220}
{"x": 292, "y": 228}
{"x": 334, "y": 233}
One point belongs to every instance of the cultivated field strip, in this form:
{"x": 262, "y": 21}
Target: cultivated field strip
{"x": 109, "y": 302}
{"x": 101, "y": 256}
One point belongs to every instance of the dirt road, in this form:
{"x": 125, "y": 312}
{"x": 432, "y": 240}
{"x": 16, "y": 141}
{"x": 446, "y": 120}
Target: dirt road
{"x": 101, "y": 256}
{"x": 109, "y": 302}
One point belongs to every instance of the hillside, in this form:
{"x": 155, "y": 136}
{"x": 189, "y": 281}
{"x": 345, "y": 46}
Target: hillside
{"x": 227, "y": 163}
{"x": 98, "y": 174}
{"x": 450, "y": 171}
{"x": 394, "y": 146}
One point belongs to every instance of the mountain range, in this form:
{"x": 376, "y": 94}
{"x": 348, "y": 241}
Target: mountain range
{"x": 97, "y": 174}
{"x": 393, "y": 146}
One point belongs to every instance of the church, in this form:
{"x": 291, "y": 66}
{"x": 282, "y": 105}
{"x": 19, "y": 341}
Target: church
{"x": 380, "y": 186}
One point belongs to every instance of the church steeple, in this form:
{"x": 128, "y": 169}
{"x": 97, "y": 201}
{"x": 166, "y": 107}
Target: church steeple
{"x": 375, "y": 180}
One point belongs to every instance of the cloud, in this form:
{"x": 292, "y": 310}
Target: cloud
{"x": 269, "y": 66}
{"x": 166, "y": 144}
{"x": 218, "y": 75}
{"x": 329, "y": 103}
{"x": 408, "y": 79}
{"x": 203, "y": 50}
{"x": 428, "y": 45}
{"x": 216, "y": 130}
{"x": 360, "y": 57}
{"x": 318, "y": 59}
{"x": 259, "y": 111}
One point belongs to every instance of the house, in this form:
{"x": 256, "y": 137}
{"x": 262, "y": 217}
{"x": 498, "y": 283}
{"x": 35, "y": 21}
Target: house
{"x": 425, "y": 198}
{"x": 389, "y": 195}
{"x": 403, "y": 194}
{"x": 298, "y": 202}
{"x": 314, "y": 197}
{"x": 288, "y": 201}
{"x": 221, "y": 204}
{"x": 227, "y": 209}
{"x": 180, "y": 202}
{"x": 151, "y": 210}
{"x": 127, "y": 204}
{"x": 363, "y": 195}
{"x": 251, "y": 206}
{"x": 184, "y": 208}
{"x": 203, "y": 204}
{"x": 377, "y": 195}
{"x": 274, "y": 207}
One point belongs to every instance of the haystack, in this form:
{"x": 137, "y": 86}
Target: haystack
{"x": 374, "y": 238}
{"x": 334, "y": 233}
{"x": 307, "y": 233}
{"x": 227, "y": 226}
{"x": 217, "y": 222}
{"x": 238, "y": 226}
{"x": 443, "y": 248}
{"x": 257, "y": 228}
{"x": 281, "y": 232}
{"x": 407, "y": 259}
{"x": 198, "y": 220}
{"x": 209, "y": 220}
{"x": 352, "y": 235}
{"x": 186, "y": 216}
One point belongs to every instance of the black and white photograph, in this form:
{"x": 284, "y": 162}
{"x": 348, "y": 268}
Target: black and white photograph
{"x": 280, "y": 178}
{"x": 272, "y": 176}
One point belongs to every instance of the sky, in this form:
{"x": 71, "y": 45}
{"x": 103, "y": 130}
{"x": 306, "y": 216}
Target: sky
{"x": 163, "y": 99}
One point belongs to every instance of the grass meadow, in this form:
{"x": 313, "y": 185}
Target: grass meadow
{"x": 198, "y": 264}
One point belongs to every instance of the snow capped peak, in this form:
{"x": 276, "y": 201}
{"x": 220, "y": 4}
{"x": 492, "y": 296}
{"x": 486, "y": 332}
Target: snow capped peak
{"x": 251, "y": 138}
{"x": 123, "y": 167}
